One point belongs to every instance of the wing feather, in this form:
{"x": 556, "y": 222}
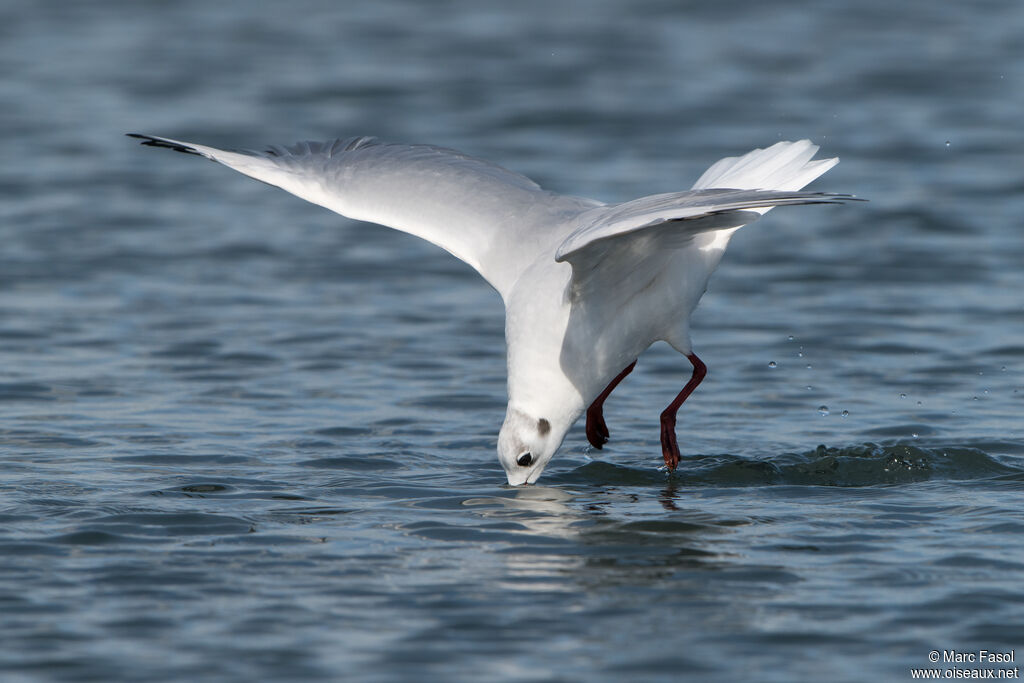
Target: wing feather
{"x": 613, "y": 243}
{"x": 681, "y": 209}
{"x": 491, "y": 218}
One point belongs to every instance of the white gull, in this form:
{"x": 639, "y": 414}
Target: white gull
{"x": 587, "y": 286}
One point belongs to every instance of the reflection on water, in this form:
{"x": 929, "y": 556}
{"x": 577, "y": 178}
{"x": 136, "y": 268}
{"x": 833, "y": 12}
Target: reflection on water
{"x": 541, "y": 510}
{"x": 544, "y": 516}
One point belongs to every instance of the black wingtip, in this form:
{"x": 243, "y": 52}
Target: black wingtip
{"x": 150, "y": 141}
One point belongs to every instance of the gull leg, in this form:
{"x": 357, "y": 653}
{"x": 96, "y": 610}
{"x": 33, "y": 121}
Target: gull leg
{"x": 669, "y": 447}
{"x": 597, "y": 430}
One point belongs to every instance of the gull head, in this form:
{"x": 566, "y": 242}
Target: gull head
{"x": 526, "y": 444}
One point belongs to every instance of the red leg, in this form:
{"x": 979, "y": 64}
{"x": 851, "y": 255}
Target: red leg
{"x": 597, "y": 430}
{"x": 669, "y": 447}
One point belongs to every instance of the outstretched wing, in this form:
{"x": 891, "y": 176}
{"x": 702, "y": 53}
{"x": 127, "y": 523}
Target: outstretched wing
{"x": 483, "y": 214}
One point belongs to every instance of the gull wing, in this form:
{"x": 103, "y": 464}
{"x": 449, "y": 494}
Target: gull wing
{"x": 631, "y": 243}
{"x": 684, "y": 214}
{"x": 618, "y": 240}
{"x": 481, "y": 213}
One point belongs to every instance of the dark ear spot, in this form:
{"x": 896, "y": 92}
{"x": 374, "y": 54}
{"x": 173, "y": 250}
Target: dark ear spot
{"x": 543, "y": 426}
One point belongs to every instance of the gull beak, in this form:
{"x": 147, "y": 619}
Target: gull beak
{"x": 523, "y": 476}
{"x": 519, "y": 478}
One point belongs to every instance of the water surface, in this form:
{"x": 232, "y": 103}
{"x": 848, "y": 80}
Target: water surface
{"x": 244, "y": 439}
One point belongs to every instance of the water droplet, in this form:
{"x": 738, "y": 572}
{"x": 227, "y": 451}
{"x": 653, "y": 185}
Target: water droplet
{"x": 913, "y": 434}
{"x": 845, "y": 413}
{"x": 799, "y": 354}
{"x": 809, "y": 366}
{"x": 1002, "y": 369}
{"x": 823, "y": 410}
{"x": 903, "y": 395}
{"x": 918, "y": 403}
{"x": 789, "y": 338}
{"x": 986, "y": 391}
{"x": 975, "y": 398}
{"x": 772, "y": 364}
{"x": 947, "y": 143}
{"x": 809, "y": 387}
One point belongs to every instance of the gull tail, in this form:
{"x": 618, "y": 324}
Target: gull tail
{"x": 783, "y": 166}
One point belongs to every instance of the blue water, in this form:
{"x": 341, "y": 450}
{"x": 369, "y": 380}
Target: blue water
{"x": 244, "y": 439}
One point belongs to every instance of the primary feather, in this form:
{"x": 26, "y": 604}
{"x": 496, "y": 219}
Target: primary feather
{"x": 491, "y": 218}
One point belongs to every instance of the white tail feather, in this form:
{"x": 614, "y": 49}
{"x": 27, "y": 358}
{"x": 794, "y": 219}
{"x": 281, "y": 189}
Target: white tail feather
{"x": 783, "y": 166}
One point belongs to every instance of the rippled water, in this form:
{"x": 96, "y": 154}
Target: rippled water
{"x": 243, "y": 439}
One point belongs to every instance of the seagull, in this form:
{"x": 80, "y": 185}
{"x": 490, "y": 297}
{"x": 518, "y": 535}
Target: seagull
{"x": 587, "y": 286}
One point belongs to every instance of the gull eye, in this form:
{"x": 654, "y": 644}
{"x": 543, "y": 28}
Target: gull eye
{"x": 524, "y": 460}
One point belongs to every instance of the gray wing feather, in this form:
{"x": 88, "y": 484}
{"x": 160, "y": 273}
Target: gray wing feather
{"x": 681, "y": 209}
{"x": 488, "y": 216}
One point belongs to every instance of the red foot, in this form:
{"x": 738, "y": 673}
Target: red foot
{"x": 597, "y": 430}
{"x": 669, "y": 446}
